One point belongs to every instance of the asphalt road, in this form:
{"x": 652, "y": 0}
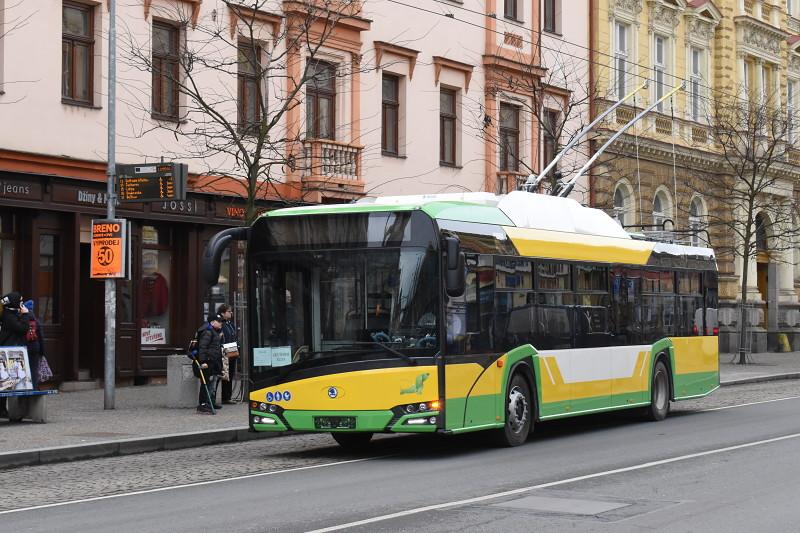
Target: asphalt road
{"x": 713, "y": 465}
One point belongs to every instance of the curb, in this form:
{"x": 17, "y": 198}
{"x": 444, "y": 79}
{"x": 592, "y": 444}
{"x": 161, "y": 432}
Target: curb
{"x": 760, "y": 379}
{"x": 115, "y": 448}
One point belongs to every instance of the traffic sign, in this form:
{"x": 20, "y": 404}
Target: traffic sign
{"x": 152, "y": 182}
{"x": 109, "y": 248}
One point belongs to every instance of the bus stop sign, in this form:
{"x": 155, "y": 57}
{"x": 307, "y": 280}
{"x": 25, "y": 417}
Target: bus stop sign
{"x": 152, "y": 182}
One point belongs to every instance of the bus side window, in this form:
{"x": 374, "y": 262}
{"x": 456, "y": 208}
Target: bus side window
{"x": 470, "y": 317}
{"x": 554, "y": 306}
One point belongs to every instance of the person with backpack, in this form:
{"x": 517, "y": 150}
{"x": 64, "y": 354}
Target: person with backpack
{"x": 34, "y": 340}
{"x": 209, "y": 355}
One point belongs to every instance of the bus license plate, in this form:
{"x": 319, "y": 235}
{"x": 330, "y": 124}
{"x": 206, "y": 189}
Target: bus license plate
{"x": 335, "y": 422}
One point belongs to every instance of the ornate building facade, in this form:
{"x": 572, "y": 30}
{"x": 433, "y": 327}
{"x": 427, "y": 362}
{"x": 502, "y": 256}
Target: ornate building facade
{"x": 652, "y": 178}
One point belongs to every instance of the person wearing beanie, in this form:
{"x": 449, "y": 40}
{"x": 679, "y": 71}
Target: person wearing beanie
{"x": 34, "y": 340}
{"x": 209, "y": 354}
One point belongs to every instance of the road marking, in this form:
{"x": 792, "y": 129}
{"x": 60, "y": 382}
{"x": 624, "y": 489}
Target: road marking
{"x": 187, "y": 485}
{"x": 521, "y": 490}
{"x": 746, "y": 404}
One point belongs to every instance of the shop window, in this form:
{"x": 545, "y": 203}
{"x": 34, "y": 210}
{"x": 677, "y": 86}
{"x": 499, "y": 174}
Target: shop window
{"x": 7, "y": 280}
{"x": 155, "y": 284}
{"x": 47, "y": 308}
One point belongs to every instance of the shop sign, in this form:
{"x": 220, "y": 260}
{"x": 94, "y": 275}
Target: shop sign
{"x": 109, "y": 248}
{"x": 180, "y": 207}
{"x": 98, "y": 198}
{"x": 20, "y": 189}
{"x": 154, "y": 336}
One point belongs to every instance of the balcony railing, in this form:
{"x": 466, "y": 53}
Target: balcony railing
{"x": 324, "y": 158}
{"x": 508, "y": 181}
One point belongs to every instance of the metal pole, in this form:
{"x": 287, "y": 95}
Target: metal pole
{"x": 111, "y": 286}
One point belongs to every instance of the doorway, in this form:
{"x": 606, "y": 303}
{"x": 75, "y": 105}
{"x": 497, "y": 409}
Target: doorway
{"x": 91, "y": 320}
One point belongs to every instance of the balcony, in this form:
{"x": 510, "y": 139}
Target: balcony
{"x": 332, "y": 168}
{"x": 508, "y": 181}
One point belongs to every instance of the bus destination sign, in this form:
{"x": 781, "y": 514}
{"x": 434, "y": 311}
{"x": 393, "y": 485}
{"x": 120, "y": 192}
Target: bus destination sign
{"x": 153, "y": 182}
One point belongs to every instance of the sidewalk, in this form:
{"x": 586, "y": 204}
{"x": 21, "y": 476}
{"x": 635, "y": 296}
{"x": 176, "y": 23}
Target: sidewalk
{"x": 79, "y": 427}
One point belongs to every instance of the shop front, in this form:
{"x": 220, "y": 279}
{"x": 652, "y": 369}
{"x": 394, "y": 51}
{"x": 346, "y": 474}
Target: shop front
{"x": 45, "y": 235}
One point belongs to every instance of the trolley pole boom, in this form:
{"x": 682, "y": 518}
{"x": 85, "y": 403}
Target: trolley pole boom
{"x": 568, "y": 186}
{"x": 533, "y": 181}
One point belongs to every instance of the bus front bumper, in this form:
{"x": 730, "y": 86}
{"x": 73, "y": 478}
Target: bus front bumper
{"x": 355, "y": 421}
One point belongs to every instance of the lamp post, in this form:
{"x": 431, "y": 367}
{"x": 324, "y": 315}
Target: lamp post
{"x": 110, "y": 284}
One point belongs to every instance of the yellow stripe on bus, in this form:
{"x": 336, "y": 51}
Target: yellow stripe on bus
{"x": 578, "y": 247}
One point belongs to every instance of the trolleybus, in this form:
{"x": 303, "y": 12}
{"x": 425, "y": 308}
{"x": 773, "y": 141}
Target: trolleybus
{"x": 464, "y": 312}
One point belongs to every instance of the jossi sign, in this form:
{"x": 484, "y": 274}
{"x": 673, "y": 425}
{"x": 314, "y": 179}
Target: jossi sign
{"x": 109, "y": 248}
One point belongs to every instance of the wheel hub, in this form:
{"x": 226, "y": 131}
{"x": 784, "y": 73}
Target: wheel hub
{"x": 517, "y": 409}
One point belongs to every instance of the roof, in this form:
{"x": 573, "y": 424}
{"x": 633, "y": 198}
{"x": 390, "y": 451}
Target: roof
{"x": 541, "y": 221}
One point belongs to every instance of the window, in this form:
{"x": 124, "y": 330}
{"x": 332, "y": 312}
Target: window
{"x": 509, "y": 137}
{"x": 155, "y": 285}
{"x": 551, "y": 16}
{"x": 512, "y": 9}
{"x": 8, "y": 280}
{"x": 621, "y": 59}
{"x": 447, "y": 127}
{"x": 550, "y": 123}
{"x": 592, "y": 307}
{"x": 77, "y": 52}
{"x": 764, "y": 84}
{"x": 762, "y": 242}
{"x": 659, "y": 68}
{"x": 696, "y": 212}
{"x": 390, "y": 126}
{"x": 471, "y": 316}
{"x": 790, "y": 7}
{"x": 623, "y": 204}
{"x": 662, "y": 209}
{"x": 696, "y": 89}
{"x": 791, "y": 105}
{"x": 47, "y": 308}
{"x": 249, "y": 76}
{"x": 165, "y": 70}
{"x": 554, "y": 306}
{"x": 320, "y": 100}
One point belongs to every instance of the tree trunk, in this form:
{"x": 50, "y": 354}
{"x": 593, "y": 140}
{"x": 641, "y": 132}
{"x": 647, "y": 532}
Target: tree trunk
{"x": 743, "y": 318}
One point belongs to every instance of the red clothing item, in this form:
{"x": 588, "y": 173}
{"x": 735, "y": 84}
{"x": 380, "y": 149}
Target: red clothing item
{"x": 154, "y": 295}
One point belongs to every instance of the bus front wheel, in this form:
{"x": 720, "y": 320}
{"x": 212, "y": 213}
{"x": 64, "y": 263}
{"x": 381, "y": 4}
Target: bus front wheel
{"x": 659, "y": 393}
{"x": 353, "y": 441}
{"x": 519, "y": 413}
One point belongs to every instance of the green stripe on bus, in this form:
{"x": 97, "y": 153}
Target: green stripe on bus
{"x": 695, "y": 384}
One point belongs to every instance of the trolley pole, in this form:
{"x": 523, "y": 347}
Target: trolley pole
{"x": 110, "y": 284}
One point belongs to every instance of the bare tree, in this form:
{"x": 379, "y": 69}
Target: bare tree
{"x": 751, "y": 200}
{"x": 241, "y": 78}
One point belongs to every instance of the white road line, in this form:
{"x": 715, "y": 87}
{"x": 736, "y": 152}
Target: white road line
{"x": 746, "y": 404}
{"x": 186, "y": 485}
{"x": 521, "y": 490}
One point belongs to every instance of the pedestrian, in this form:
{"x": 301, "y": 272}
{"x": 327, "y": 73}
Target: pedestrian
{"x": 209, "y": 354}
{"x": 231, "y": 351}
{"x": 13, "y": 327}
{"x": 35, "y": 342}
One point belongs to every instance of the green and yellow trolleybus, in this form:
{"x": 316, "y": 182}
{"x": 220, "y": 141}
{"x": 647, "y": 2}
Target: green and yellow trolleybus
{"x": 464, "y": 312}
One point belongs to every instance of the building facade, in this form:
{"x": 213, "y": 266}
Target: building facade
{"x": 378, "y": 98}
{"x": 653, "y": 177}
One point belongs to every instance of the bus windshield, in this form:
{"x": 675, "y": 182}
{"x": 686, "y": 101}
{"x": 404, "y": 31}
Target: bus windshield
{"x": 319, "y": 307}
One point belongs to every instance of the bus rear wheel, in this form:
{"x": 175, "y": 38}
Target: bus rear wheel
{"x": 353, "y": 441}
{"x": 659, "y": 393}
{"x": 519, "y": 413}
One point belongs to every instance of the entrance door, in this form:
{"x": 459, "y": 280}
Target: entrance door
{"x": 91, "y": 321}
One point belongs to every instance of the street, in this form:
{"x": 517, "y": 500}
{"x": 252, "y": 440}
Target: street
{"x": 723, "y": 463}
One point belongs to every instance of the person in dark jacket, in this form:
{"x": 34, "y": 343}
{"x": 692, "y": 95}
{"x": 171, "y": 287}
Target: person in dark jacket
{"x": 230, "y": 336}
{"x": 13, "y": 327}
{"x": 13, "y": 320}
{"x": 34, "y": 340}
{"x": 209, "y": 353}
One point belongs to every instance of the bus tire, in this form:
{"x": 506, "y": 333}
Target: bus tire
{"x": 659, "y": 393}
{"x": 519, "y": 408}
{"x": 353, "y": 441}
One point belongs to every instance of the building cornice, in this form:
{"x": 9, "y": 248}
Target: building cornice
{"x": 758, "y": 38}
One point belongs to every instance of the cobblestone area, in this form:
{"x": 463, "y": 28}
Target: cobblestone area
{"x": 37, "y": 485}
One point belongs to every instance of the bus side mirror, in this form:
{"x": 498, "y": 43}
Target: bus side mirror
{"x": 213, "y": 252}
{"x": 455, "y": 277}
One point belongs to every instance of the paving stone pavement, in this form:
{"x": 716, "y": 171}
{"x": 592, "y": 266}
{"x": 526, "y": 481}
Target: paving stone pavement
{"x": 116, "y": 475}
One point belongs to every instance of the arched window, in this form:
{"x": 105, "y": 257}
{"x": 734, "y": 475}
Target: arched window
{"x": 662, "y": 209}
{"x": 623, "y": 204}
{"x": 696, "y": 213}
{"x": 762, "y": 243}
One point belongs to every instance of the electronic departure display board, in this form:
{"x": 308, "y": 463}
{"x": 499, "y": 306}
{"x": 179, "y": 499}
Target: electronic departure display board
{"x": 152, "y": 182}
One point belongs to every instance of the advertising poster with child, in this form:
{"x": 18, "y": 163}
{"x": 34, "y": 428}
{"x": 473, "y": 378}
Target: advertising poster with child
{"x": 14, "y": 369}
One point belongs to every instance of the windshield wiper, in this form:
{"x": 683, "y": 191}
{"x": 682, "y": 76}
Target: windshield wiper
{"x": 388, "y": 349}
